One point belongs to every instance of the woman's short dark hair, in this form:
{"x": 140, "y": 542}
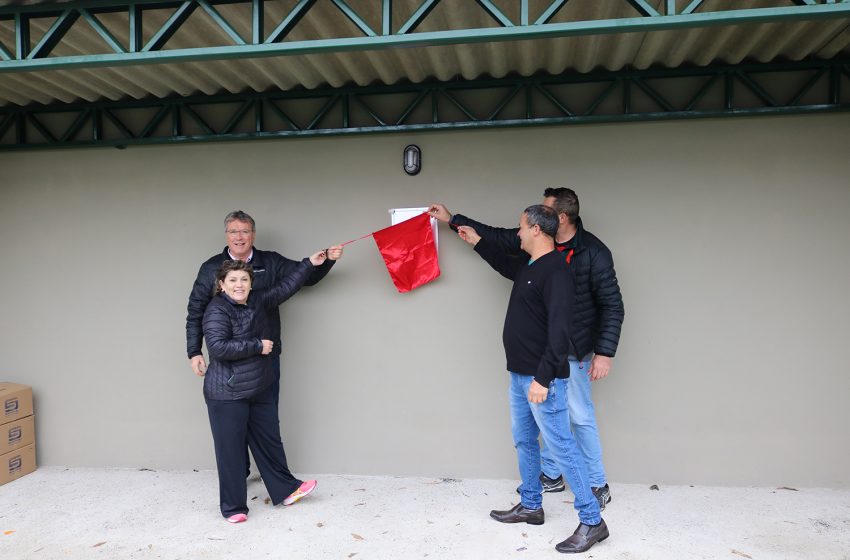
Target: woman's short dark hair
{"x": 230, "y": 266}
{"x": 543, "y": 216}
{"x": 566, "y": 202}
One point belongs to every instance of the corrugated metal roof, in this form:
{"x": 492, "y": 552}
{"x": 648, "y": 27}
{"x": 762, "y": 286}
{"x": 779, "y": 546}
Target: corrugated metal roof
{"x": 825, "y": 38}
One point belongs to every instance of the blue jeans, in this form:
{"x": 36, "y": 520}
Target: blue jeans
{"x": 582, "y": 418}
{"x": 548, "y": 419}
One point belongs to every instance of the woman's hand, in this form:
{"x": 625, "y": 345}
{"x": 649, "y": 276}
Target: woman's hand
{"x": 334, "y": 253}
{"x": 318, "y": 258}
{"x": 268, "y": 345}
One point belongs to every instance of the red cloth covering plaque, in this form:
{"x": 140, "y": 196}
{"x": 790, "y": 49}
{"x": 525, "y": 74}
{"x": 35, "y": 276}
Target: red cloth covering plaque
{"x": 409, "y": 252}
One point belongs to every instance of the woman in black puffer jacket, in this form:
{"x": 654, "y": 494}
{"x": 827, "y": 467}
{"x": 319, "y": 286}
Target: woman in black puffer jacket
{"x": 237, "y": 386}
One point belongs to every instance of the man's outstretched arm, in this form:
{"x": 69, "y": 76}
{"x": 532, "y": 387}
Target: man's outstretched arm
{"x": 505, "y": 239}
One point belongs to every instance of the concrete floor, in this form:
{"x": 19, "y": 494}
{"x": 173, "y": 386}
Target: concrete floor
{"x": 140, "y": 514}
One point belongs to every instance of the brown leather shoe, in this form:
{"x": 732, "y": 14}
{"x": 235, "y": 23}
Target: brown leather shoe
{"x": 519, "y": 514}
{"x": 584, "y": 537}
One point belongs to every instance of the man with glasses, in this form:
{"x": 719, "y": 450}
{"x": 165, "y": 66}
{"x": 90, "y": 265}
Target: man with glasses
{"x": 269, "y": 267}
{"x": 598, "y": 317}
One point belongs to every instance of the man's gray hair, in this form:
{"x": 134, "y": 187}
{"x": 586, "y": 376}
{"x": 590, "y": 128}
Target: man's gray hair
{"x": 543, "y": 216}
{"x": 239, "y": 216}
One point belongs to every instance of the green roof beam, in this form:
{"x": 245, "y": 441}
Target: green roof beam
{"x": 550, "y": 12}
{"x": 323, "y": 111}
{"x": 152, "y": 55}
{"x": 5, "y": 54}
{"x": 75, "y": 126}
{"x": 119, "y": 124}
{"x": 289, "y": 22}
{"x": 41, "y": 128}
{"x": 415, "y": 103}
{"x": 221, "y": 22}
{"x": 644, "y": 8}
{"x": 653, "y": 94}
{"x": 154, "y": 123}
{"x": 354, "y": 18}
{"x": 102, "y": 31}
{"x": 807, "y": 86}
{"x": 495, "y": 13}
{"x": 22, "y": 36}
{"x": 417, "y": 17}
{"x": 692, "y": 7}
{"x": 625, "y": 96}
{"x": 237, "y": 116}
{"x": 602, "y": 97}
{"x": 135, "y": 21}
{"x": 169, "y": 28}
{"x": 198, "y": 120}
{"x": 554, "y": 100}
{"x": 458, "y": 104}
{"x": 6, "y": 122}
{"x": 257, "y": 22}
{"x": 507, "y": 99}
{"x": 53, "y": 35}
{"x": 700, "y": 93}
{"x": 283, "y": 116}
{"x": 387, "y": 17}
{"x": 756, "y": 89}
{"x": 369, "y": 111}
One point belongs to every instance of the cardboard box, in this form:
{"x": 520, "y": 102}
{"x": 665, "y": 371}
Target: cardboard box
{"x": 17, "y": 434}
{"x": 17, "y": 463}
{"x": 15, "y": 401}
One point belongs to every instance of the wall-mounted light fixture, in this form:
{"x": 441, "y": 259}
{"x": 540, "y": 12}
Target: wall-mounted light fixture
{"x": 412, "y": 159}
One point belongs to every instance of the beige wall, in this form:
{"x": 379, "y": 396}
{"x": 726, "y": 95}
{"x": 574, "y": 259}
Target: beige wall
{"x": 730, "y": 239}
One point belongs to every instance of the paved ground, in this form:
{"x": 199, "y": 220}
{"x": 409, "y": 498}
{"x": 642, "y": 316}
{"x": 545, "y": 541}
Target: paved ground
{"x": 58, "y": 513}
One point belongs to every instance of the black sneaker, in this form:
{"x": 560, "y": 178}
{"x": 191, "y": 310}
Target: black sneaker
{"x": 602, "y": 495}
{"x": 550, "y": 484}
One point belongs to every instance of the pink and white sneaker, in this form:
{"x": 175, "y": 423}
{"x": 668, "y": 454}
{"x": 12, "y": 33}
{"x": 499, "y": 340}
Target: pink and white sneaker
{"x": 303, "y": 490}
{"x": 237, "y": 518}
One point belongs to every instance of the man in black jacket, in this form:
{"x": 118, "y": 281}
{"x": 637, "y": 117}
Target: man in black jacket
{"x": 269, "y": 268}
{"x": 597, "y": 319}
{"x": 537, "y": 338}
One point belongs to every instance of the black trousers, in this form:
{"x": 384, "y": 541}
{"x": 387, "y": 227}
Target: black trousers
{"x": 236, "y": 426}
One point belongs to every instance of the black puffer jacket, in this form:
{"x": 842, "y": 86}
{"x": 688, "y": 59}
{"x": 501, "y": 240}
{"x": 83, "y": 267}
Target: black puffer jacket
{"x": 269, "y": 268}
{"x": 238, "y": 369}
{"x": 598, "y": 313}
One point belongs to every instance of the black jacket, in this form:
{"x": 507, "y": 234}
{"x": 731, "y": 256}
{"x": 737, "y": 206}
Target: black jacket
{"x": 536, "y": 334}
{"x": 598, "y": 313}
{"x": 238, "y": 369}
{"x": 269, "y": 268}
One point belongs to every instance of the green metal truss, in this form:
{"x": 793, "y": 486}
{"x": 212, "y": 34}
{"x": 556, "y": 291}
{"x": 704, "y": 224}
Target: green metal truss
{"x": 145, "y": 46}
{"x": 655, "y": 94}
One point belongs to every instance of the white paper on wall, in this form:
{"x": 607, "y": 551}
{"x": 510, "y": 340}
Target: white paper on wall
{"x": 398, "y": 215}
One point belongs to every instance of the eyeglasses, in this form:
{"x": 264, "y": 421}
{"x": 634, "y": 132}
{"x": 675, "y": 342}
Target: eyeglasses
{"x": 238, "y": 231}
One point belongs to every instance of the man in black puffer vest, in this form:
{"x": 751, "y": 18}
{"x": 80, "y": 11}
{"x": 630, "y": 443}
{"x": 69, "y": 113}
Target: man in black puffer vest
{"x": 598, "y": 317}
